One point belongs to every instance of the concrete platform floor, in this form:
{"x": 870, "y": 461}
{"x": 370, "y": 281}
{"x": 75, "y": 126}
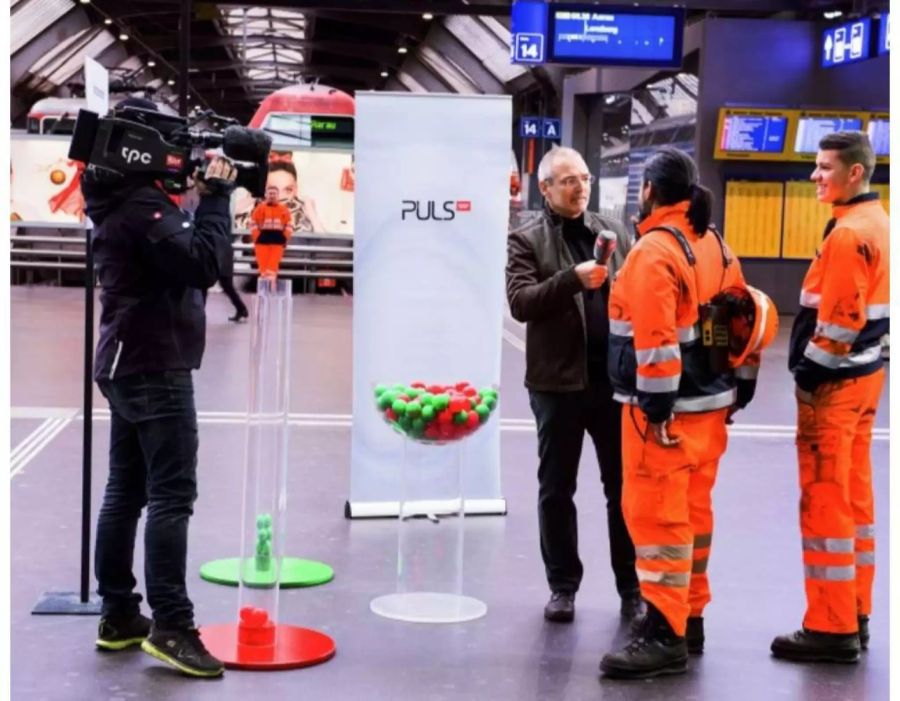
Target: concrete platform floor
{"x": 511, "y": 653}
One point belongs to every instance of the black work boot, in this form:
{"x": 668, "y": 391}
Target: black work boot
{"x": 655, "y": 650}
{"x": 811, "y": 646}
{"x": 632, "y": 607}
{"x": 863, "y": 632}
{"x": 561, "y": 607}
{"x": 694, "y": 635}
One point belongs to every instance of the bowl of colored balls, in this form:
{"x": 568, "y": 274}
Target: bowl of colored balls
{"x": 435, "y": 413}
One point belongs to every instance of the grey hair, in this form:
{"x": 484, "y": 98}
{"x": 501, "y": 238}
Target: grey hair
{"x": 545, "y": 167}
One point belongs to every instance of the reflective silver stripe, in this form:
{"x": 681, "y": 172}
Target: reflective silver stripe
{"x": 831, "y": 574}
{"x": 878, "y": 311}
{"x": 667, "y": 579}
{"x": 658, "y": 384}
{"x": 836, "y": 332}
{"x": 663, "y": 552}
{"x": 835, "y": 362}
{"x": 709, "y": 402}
{"x": 704, "y": 540}
{"x": 810, "y": 299}
{"x": 865, "y": 558}
{"x": 699, "y": 566}
{"x": 691, "y": 333}
{"x": 828, "y": 545}
{"x": 822, "y": 357}
{"x": 867, "y": 531}
{"x": 863, "y": 357}
{"x": 625, "y": 398}
{"x": 747, "y": 372}
{"x": 115, "y": 362}
{"x": 658, "y": 354}
{"x": 621, "y": 328}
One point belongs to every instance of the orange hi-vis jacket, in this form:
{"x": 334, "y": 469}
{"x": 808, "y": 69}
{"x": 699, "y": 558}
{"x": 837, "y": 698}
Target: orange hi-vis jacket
{"x": 271, "y": 224}
{"x": 845, "y": 300}
{"x": 656, "y": 356}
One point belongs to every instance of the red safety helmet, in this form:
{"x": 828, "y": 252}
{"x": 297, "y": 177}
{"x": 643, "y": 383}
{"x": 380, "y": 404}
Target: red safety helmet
{"x": 752, "y": 321}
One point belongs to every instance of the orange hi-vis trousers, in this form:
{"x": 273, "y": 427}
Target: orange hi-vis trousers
{"x": 268, "y": 257}
{"x": 837, "y": 512}
{"x": 666, "y": 500}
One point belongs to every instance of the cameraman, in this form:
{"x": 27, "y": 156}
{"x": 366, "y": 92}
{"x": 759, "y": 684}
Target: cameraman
{"x": 154, "y": 266}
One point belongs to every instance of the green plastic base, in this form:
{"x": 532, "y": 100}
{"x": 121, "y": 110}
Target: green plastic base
{"x": 295, "y": 573}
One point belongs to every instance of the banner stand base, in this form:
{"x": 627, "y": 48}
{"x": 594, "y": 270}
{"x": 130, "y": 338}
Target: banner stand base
{"x": 428, "y": 607}
{"x": 66, "y": 603}
{"x": 294, "y": 573}
{"x": 293, "y": 647}
{"x": 391, "y": 509}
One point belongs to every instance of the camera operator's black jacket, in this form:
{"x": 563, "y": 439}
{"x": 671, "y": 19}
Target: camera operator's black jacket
{"x": 154, "y": 264}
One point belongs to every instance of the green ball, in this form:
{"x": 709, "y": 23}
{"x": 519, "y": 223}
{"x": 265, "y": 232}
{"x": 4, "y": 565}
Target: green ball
{"x": 428, "y": 413}
{"x": 380, "y": 389}
{"x": 384, "y": 401}
{"x": 418, "y": 426}
{"x": 405, "y": 422}
{"x": 441, "y": 402}
{"x": 261, "y": 521}
{"x": 399, "y": 407}
{"x": 483, "y": 412}
{"x": 399, "y": 386}
{"x": 427, "y": 398}
{"x": 413, "y": 409}
{"x": 460, "y": 417}
{"x": 413, "y": 392}
{"x": 490, "y": 402}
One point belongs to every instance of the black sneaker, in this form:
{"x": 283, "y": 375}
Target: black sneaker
{"x": 116, "y": 633}
{"x": 694, "y": 635}
{"x": 239, "y": 316}
{"x": 561, "y": 607}
{"x": 184, "y": 650}
{"x": 863, "y": 632}
{"x": 811, "y": 646}
{"x": 654, "y": 651}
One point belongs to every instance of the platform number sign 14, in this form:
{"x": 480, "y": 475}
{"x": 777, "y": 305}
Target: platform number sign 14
{"x": 529, "y": 48}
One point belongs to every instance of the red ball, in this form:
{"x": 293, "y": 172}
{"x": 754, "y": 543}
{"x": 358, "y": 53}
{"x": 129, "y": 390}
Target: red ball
{"x": 436, "y": 389}
{"x": 404, "y": 397}
{"x": 470, "y": 391}
{"x": 472, "y": 420}
{"x": 445, "y": 417}
{"x": 418, "y": 385}
{"x": 458, "y": 403}
{"x": 460, "y": 386}
{"x": 390, "y": 415}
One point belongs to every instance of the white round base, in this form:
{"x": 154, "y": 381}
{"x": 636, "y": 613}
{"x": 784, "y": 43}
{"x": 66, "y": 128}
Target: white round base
{"x": 428, "y": 607}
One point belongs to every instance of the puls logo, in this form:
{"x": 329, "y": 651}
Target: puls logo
{"x": 132, "y": 154}
{"x": 429, "y": 210}
{"x": 174, "y": 161}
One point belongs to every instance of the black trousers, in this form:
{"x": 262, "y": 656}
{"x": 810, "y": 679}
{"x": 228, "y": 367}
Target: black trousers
{"x": 226, "y": 282}
{"x": 562, "y": 419}
{"x": 153, "y": 463}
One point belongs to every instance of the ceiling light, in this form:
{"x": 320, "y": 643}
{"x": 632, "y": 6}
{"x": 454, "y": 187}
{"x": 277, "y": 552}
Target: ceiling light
{"x": 107, "y": 21}
{"x": 832, "y": 14}
{"x": 170, "y": 82}
{"x": 151, "y": 63}
{"x": 402, "y": 50}
{"x": 384, "y": 74}
{"x": 427, "y": 16}
{"x": 123, "y": 37}
{"x": 85, "y": 2}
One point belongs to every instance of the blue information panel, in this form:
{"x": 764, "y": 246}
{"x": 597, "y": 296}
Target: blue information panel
{"x": 552, "y": 129}
{"x": 884, "y": 34}
{"x": 880, "y": 135}
{"x": 846, "y": 43}
{"x": 530, "y": 127}
{"x": 596, "y": 34}
{"x": 811, "y": 130}
{"x": 751, "y": 133}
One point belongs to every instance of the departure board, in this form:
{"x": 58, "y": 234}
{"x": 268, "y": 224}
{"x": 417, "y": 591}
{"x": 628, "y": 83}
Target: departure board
{"x": 753, "y": 133}
{"x": 753, "y": 218}
{"x": 811, "y": 130}
{"x": 879, "y": 131}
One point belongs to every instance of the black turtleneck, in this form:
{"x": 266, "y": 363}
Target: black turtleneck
{"x": 580, "y": 242}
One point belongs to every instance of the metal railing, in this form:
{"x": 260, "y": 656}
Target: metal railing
{"x": 301, "y": 260}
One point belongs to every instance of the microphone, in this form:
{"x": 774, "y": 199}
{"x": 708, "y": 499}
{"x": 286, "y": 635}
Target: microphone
{"x": 604, "y": 246}
{"x": 242, "y": 144}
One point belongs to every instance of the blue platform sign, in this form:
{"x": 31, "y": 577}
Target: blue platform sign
{"x": 846, "y": 43}
{"x": 552, "y": 129}
{"x": 529, "y": 31}
{"x": 884, "y": 34}
{"x": 530, "y": 127}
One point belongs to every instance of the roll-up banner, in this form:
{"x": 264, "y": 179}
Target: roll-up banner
{"x": 431, "y": 213}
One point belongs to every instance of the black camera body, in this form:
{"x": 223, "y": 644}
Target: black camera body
{"x": 139, "y": 142}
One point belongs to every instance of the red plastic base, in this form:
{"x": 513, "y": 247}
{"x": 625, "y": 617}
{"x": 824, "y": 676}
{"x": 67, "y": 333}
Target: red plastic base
{"x": 294, "y": 647}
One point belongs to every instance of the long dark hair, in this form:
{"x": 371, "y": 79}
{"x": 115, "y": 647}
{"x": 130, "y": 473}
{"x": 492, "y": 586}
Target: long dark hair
{"x": 675, "y": 178}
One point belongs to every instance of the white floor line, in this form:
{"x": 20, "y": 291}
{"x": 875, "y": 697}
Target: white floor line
{"x": 31, "y": 438}
{"x": 59, "y": 425}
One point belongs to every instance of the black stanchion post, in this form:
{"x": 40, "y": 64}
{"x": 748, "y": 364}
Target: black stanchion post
{"x": 66, "y": 602}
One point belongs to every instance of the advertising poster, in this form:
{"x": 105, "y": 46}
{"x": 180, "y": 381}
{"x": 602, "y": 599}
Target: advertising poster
{"x": 44, "y": 183}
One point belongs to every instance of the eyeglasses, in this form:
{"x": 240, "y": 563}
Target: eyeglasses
{"x": 586, "y": 180}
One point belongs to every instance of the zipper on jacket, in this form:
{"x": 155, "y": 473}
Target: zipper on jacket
{"x": 115, "y": 362}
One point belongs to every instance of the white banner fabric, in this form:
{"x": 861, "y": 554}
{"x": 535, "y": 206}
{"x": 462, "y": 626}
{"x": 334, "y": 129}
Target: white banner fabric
{"x": 432, "y": 210}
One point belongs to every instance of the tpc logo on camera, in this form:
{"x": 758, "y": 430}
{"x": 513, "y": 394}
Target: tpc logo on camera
{"x": 428, "y": 210}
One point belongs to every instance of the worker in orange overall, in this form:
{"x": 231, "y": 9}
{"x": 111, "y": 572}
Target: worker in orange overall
{"x": 686, "y": 333}
{"x": 835, "y": 355}
{"x": 271, "y": 228}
